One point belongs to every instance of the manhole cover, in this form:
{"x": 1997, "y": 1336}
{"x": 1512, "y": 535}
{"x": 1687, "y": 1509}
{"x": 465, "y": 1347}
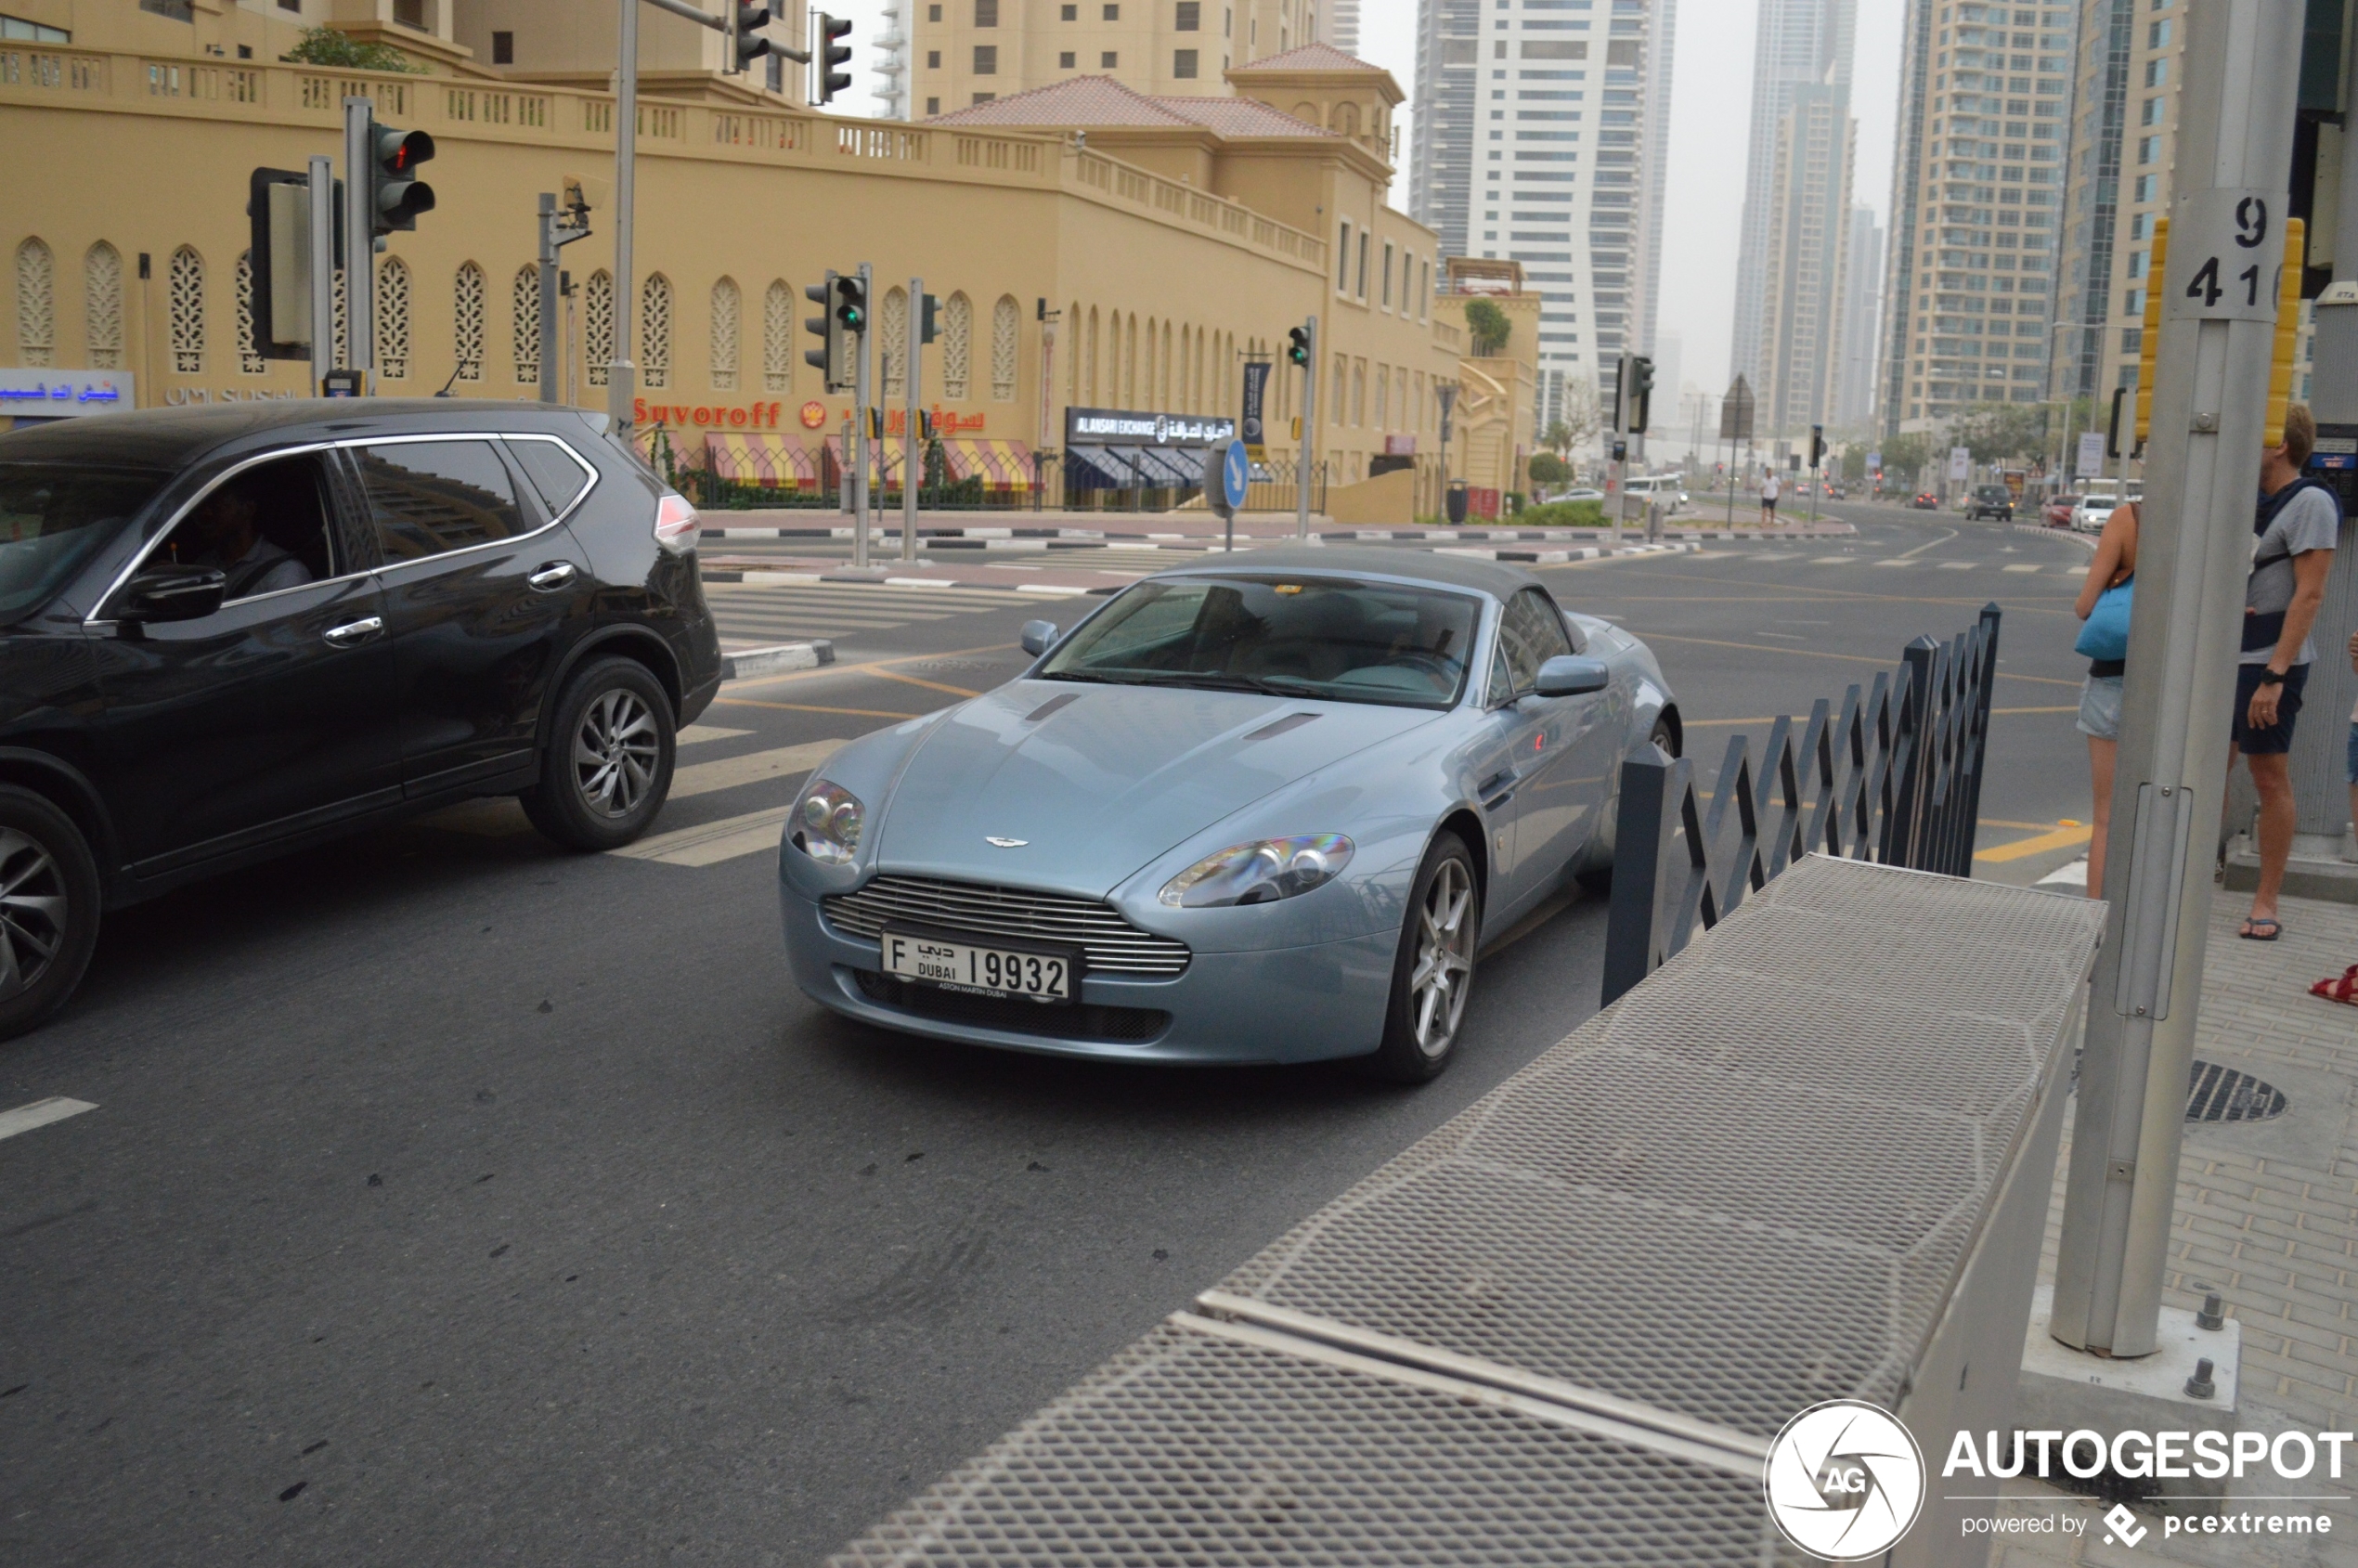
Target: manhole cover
{"x": 2220, "y": 1093}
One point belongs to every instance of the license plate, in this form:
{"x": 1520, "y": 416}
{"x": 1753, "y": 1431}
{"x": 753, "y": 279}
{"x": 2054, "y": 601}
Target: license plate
{"x": 981, "y": 968}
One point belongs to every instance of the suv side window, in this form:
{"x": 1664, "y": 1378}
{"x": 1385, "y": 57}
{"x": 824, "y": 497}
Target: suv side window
{"x": 268, "y": 527}
{"x": 559, "y": 476}
{"x": 1531, "y": 634}
{"x": 429, "y": 498}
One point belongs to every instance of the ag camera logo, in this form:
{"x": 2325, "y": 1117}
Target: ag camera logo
{"x": 1845, "y": 1481}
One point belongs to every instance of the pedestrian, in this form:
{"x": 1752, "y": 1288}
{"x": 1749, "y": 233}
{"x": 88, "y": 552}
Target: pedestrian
{"x": 2104, "y": 598}
{"x": 2297, "y": 526}
{"x": 1770, "y": 488}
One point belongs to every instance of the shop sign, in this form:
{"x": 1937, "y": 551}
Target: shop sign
{"x": 679, "y": 416}
{"x": 1091, "y": 426}
{"x": 186, "y": 397}
{"x": 44, "y": 394}
{"x": 1400, "y": 446}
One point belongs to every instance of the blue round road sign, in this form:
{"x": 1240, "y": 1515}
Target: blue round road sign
{"x": 1236, "y": 473}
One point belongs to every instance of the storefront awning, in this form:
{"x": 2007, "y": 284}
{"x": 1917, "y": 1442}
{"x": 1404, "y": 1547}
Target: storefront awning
{"x": 1097, "y": 468}
{"x": 1001, "y": 465}
{"x": 766, "y": 459}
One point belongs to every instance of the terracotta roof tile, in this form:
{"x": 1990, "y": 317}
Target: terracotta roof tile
{"x": 1084, "y": 100}
{"x": 1308, "y": 56}
{"x": 1240, "y": 117}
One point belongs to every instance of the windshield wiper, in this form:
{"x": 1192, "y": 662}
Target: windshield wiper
{"x": 1205, "y": 680}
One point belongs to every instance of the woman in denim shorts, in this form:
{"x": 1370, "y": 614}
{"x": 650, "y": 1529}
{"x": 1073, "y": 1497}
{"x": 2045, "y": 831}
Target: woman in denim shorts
{"x": 2114, "y": 563}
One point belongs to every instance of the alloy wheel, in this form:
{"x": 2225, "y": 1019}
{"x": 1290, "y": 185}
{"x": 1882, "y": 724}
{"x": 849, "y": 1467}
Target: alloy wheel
{"x": 616, "y": 751}
{"x": 32, "y": 911}
{"x": 1438, "y": 985}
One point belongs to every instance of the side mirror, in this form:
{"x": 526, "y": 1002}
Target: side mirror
{"x": 1570, "y": 675}
{"x": 171, "y": 593}
{"x": 1038, "y": 637}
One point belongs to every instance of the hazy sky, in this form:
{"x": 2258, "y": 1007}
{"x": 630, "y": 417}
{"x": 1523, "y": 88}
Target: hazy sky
{"x": 1710, "y": 103}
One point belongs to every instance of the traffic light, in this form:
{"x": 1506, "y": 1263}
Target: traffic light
{"x": 833, "y": 360}
{"x": 851, "y": 303}
{"x": 925, "y": 320}
{"x": 831, "y": 55}
{"x": 396, "y": 195}
{"x": 1639, "y": 398}
{"x": 2149, "y": 345}
{"x": 1817, "y": 444}
{"x": 746, "y": 45}
{"x": 1297, "y": 345}
{"x": 2287, "y": 333}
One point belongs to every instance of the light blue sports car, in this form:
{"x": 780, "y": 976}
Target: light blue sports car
{"x": 1261, "y": 808}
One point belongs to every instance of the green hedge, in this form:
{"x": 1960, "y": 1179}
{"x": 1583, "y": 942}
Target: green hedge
{"x": 1564, "y": 515}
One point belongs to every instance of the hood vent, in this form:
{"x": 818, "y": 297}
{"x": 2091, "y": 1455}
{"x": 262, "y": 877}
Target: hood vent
{"x": 1272, "y": 731}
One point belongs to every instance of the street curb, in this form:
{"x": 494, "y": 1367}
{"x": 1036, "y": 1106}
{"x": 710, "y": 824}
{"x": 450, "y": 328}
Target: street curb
{"x": 751, "y": 578}
{"x": 1555, "y": 557}
{"x": 773, "y": 660}
{"x": 2085, "y": 541}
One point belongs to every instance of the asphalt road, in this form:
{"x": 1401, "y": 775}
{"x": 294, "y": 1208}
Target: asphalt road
{"x": 450, "y": 1199}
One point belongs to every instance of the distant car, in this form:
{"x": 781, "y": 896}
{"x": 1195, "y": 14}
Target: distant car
{"x": 1925, "y": 501}
{"x": 1582, "y": 495}
{"x": 2091, "y": 514}
{"x": 1990, "y": 500}
{"x": 2056, "y": 512}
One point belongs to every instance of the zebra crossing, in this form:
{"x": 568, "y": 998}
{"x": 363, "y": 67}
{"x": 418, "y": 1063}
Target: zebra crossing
{"x": 751, "y": 615}
{"x": 2021, "y": 568}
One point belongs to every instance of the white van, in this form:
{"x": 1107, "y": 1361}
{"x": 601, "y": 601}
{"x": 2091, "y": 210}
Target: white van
{"x": 1670, "y": 489}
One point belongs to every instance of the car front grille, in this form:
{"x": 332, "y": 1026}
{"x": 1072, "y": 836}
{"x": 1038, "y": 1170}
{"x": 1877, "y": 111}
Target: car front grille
{"x": 1112, "y": 944}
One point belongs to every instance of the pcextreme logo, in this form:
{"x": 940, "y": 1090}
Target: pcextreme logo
{"x": 1845, "y": 1481}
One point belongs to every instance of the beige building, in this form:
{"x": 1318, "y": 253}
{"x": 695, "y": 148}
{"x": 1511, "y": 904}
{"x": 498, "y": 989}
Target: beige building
{"x": 1134, "y": 267}
{"x": 1497, "y": 404}
{"x": 966, "y": 52}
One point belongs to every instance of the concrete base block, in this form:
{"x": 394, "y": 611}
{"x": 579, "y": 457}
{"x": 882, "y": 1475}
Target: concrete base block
{"x": 2321, "y": 866}
{"x": 2065, "y": 1390}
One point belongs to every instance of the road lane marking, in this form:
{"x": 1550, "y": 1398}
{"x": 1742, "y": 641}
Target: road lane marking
{"x": 1894, "y": 561}
{"x": 1959, "y": 566}
{"x": 814, "y": 708}
{"x": 2021, "y": 568}
{"x": 696, "y": 734}
{"x": 754, "y": 767}
{"x": 1834, "y": 561}
{"x": 40, "y": 1113}
{"x": 2061, "y": 838}
{"x": 727, "y": 839}
{"x": 929, "y": 685}
{"x": 1927, "y": 545}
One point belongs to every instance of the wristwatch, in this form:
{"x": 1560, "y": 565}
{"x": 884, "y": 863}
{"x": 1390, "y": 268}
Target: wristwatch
{"x": 2271, "y": 678}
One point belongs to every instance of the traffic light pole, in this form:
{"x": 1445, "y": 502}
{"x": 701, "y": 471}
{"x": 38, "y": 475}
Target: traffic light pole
{"x": 859, "y": 432}
{"x": 621, "y": 375}
{"x": 2210, "y": 392}
{"x": 1309, "y": 434}
{"x": 910, "y": 452}
{"x": 359, "y": 242}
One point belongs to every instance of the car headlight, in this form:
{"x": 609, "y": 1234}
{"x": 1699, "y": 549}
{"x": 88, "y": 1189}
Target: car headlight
{"x": 1259, "y": 872}
{"x": 826, "y": 823}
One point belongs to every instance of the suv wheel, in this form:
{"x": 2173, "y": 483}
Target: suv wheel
{"x": 48, "y": 909}
{"x": 607, "y": 765}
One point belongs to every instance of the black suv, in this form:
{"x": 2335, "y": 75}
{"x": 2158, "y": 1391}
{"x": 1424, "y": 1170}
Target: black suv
{"x": 1990, "y": 500}
{"x": 227, "y": 633}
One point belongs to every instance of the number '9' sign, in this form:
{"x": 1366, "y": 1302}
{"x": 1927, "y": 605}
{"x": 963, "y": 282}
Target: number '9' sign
{"x": 2226, "y": 255}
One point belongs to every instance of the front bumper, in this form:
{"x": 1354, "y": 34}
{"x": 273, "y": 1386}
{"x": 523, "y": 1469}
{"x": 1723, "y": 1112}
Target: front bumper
{"x": 1285, "y": 1004}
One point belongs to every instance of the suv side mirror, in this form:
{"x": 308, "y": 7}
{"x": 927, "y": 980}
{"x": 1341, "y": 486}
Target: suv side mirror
{"x": 171, "y": 593}
{"x": 1038, "y": 637}
{"x": 1570, "y": 675}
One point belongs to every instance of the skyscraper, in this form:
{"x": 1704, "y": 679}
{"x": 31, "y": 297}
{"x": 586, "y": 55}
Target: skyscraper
{"x": 1985, "y": 101}
{"x": 1441, "y": 159}
{"x": 1861, "y": 320}
{"x": 1799, "y": 44}
{"x": 1528, "y": 89}
{"x": 1342, "y": 25}
{"x": 1808, "y": 257}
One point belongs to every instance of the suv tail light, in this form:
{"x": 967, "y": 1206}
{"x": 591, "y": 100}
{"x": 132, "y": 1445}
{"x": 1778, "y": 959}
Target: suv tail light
{"x": 676, "y": 523}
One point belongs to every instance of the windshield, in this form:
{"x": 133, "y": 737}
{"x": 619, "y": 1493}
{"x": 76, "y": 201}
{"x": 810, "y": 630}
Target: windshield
{"x": 1307, "y": 637}
{"x": 52, "y": 517}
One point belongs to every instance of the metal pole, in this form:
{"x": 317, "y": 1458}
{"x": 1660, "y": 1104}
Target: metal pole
{"x": 547, "y": 216}
{"x": 2211, "y": 387}
{"x": 359, "y": 241}
{"x": 621, "y": 375}
{"x": 859, "y": 433}
{"x": 322, "y": 205}
{"x": 909, "y": 475}
{"x": 1309, "y": 423}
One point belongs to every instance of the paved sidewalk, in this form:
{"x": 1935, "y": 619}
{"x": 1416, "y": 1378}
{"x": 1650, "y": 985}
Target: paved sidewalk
{"x": 2268, "y": 1215}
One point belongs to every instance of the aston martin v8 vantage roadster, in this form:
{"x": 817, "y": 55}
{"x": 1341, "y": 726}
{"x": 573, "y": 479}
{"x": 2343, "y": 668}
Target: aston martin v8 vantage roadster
{"x": 1259, "y": 809}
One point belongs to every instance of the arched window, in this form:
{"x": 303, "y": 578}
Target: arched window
{"x": 37, "y": 304}
{"x": 393, "y": 320}
{"x": 185, "y": 300}
{"x": 467, "y": 317}
{"x": 1346, "y": 119}
{"x": 597, "y": 320}
{"x": 1147, "y": 379}
{"x": 777, "y": 337}
{"x": 1130, "y": 363}
{"x": 655, "y": 320}
{"x": 725, "y": 335}
{"x": 1359, "y": 392}
{"x": 1005, "y": 317}
{"x": 1092, "y": 359}
{"x": 523, "y": 311}
{"x": 957, "y": 339}
{"x": 1383, "y": 396}
{"x": 1164, "y": 385}
{"x": 893, "y": 332}
{"x": 102, "y": 305}
{"x": 250, "y": 360}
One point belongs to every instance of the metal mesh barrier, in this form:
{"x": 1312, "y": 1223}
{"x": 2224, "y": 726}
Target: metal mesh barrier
{"x": 1561, "y": 1327}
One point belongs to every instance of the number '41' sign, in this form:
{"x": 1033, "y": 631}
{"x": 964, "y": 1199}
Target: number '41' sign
{"x": 2226, "y": 248}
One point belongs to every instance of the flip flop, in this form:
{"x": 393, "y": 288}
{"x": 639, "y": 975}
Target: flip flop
{"x": 2252, "y": 932}
{"x": 2342, "y": 990}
